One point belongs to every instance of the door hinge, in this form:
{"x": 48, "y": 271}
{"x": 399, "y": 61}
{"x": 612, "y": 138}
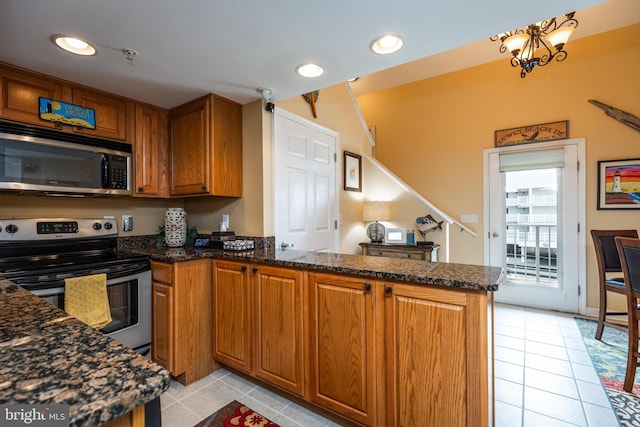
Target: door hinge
{"x": 335, "y": 157}
{"x": 578, "y": 167}
{"x": 579, "y": 290}
{"x": 578, "y": 227}
{"x": 335, "y": 223}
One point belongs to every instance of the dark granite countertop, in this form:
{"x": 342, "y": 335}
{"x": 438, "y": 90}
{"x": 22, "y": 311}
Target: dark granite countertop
{"x": 49, "y": 357}
{"x": 474, "y": 277}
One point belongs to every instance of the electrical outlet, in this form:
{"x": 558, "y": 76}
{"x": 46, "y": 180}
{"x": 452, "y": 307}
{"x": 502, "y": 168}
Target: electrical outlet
{"x": 469, "y": 219}
{"x": 127, "y": 222}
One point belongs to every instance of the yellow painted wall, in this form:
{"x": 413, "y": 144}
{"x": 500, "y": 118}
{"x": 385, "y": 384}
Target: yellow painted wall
{"x": 432, "y": 133}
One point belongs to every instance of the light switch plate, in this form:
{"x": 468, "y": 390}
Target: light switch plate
{"x": 469, "y": 218}
{"x": 127, "y": 222}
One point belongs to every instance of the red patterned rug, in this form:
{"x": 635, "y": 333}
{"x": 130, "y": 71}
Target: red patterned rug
{"x": 235, "y": 414}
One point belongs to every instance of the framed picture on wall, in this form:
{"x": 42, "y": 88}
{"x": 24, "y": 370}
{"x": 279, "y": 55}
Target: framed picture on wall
{"x": 619, "y": 184}
{"x": 352, "y": 171}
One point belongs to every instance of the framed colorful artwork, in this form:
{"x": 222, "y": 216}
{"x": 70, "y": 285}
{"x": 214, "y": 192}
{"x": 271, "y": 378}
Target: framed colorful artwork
{"x": 619, "y": 184}
{"x": 352, "y": 171}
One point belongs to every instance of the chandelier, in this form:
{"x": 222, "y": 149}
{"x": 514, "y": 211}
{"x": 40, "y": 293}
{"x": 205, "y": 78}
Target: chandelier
{"x": 538, "y": 44}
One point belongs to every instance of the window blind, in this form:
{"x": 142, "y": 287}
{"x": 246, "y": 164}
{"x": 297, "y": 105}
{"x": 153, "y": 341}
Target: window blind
{"x": 539, "y": 159}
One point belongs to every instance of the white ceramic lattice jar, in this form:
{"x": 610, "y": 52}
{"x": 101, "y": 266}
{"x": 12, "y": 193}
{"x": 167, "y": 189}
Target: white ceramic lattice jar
{"x": 175, "y": 227}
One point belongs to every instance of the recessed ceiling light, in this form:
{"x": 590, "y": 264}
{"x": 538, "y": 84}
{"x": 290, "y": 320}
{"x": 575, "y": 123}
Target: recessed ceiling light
{"x": 310, "y": 70}
{"x": 74, "y": 45}
{"x": 386, "y": 44}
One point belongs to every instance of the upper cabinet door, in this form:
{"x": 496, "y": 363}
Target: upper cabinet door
{"x": 20, "y": 93}
{"x": 205, "y": 154}
{"x": 111, "y": 113}
{"x": 190, "y": 148}
{"x": 226, "y": 147}
{"x": 150, "y": 146}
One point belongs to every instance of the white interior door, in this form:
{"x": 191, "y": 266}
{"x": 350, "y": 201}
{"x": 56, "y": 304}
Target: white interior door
{"x": 305, "y": 164}
{"x": 533, "y": 210}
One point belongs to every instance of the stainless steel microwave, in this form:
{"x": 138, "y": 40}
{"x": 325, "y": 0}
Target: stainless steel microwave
{"x": 58, "y": 163}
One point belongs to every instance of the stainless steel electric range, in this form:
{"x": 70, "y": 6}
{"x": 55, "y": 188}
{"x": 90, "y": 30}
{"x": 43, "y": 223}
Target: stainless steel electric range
{"x": 38, "y": 254}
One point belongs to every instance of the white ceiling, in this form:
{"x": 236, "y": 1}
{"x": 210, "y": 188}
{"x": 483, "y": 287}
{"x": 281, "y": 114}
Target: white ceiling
{"x": 191, "y": 47}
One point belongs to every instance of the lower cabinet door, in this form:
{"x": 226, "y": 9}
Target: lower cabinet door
{"x": 279, "y": 340}
{"x": 232, "y": 314}
{"x": 162, "y": 346}
{"x": 436, "y": 350}
{"x": 342, "y": 348}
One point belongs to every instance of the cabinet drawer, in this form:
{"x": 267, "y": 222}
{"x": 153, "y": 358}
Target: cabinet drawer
{"x": 162, "y": 272}
{"x": 398, "y": 254}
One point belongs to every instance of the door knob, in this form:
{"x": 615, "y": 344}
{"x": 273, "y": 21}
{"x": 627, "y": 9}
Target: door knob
{"x": 494, "y": 234}
{"x": 285, "y": 245}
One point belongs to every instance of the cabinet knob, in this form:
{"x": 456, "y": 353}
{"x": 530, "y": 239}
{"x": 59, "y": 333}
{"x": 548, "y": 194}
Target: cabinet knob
{"x": 203, "y": 188}
{"x": 140, "y": 190}
{"x": 387, "y": 291}
{"x": 254, "y": 269}
{"x": 244, "y": 268}
{"x": 367, "y": 287}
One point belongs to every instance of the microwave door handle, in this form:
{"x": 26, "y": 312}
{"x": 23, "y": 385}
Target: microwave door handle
{"x": 104, "y": 168}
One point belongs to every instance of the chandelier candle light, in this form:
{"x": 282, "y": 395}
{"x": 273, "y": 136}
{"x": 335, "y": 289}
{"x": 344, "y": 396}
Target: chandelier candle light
{"x": 538, "y": 44}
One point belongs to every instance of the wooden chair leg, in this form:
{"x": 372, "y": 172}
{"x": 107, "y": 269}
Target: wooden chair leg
{"x": 632, "y": 357}
{"x": 602, "y": 314}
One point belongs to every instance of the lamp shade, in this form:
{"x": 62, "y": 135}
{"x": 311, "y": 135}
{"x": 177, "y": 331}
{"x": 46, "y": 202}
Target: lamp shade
{"x": 376, "y": 211}
{"x": 515, "y": 43}
{"x": 557, "y": 38}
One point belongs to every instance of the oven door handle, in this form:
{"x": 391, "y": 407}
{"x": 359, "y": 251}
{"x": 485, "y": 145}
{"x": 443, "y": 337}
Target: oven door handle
{"x": 47, "y": 292}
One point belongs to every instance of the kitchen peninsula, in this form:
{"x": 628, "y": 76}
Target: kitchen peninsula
{"x": 48, "y": 357}
{"x": 373, "y": 340}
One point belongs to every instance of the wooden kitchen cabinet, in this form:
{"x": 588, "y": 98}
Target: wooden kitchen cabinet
{"x": 110, "y": 112}
{"x": 182, "y": 319}
{"x": 162, "y": 344}
{"x": 436, "y": 343}
{"x": 205, "y": 154}
{"x": 343, "y": 353}
{"x": 258, "y": 322}
{"x": 279, "y": 346}
{"x": 375, "y": 353}
{"x": 150, "y": 146}
{"x": 232, "y": 333}
{"x": 21, "y": 90}
{"x": 20, "y": 93}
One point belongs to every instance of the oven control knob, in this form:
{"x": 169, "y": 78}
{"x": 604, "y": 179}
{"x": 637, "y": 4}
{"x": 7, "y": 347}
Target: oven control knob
{"x": 97, "y": 226}
{"x": 108, "y": 226}
{"x": 11, "y": 228}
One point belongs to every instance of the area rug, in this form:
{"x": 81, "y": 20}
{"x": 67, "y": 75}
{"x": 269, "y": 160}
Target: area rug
{"x": 235, "y": 414}
{"x": 609, "y": 357}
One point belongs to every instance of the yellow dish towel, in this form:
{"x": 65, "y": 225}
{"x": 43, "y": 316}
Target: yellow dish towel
{"x": 86, "y": 299}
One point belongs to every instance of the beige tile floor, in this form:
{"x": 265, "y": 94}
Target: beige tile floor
{"x": 543, "y": 378}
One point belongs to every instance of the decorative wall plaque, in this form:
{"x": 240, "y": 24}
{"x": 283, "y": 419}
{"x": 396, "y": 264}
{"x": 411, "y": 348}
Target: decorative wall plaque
{"x": 533, "y": 133}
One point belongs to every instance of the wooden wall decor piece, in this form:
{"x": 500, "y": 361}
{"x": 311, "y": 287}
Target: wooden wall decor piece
{"x": 621, "y": 116}
{"x": 311, "y": 98}
{"x": 533, "y": 133}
